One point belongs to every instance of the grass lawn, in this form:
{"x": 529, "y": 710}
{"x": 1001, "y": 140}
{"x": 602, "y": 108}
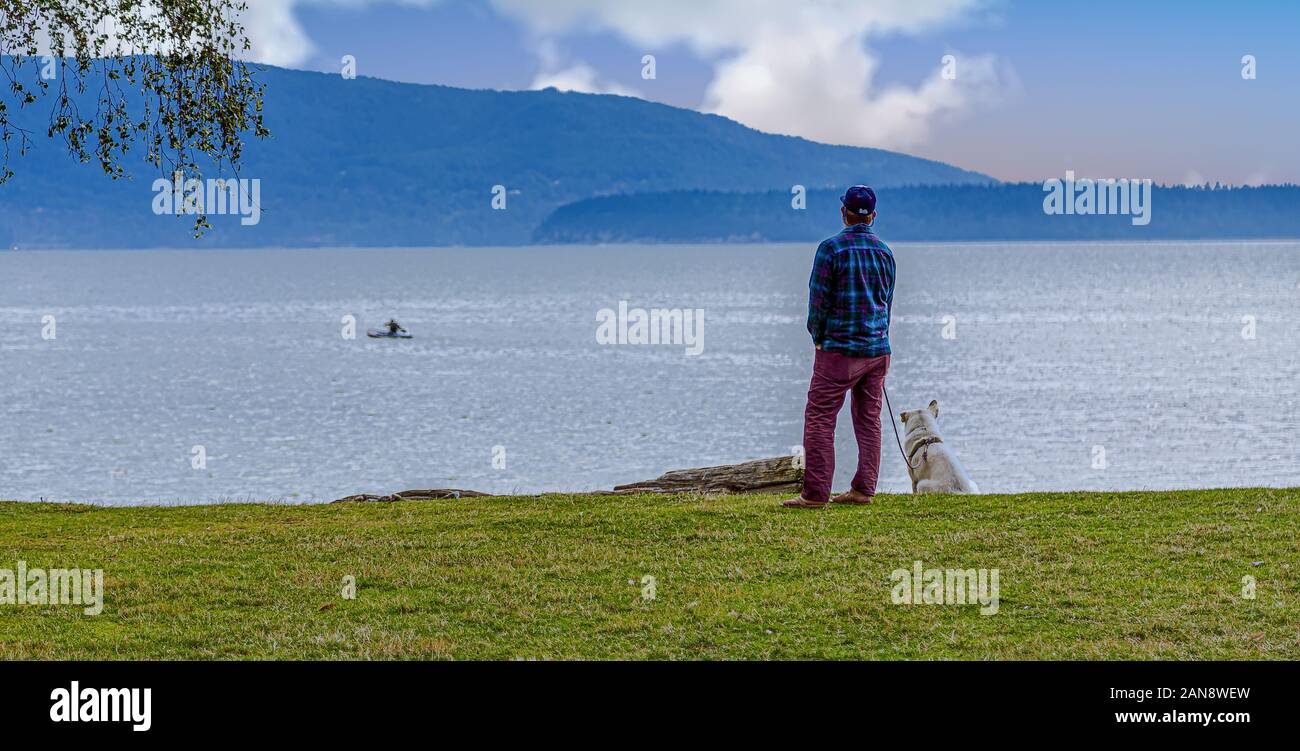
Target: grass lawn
{"x": 1081, "y": 576}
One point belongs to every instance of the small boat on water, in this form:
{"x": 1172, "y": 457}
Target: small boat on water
{"x": 386, "y": 334}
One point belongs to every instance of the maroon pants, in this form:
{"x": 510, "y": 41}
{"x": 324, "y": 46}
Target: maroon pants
{"x": 833, "y": 375}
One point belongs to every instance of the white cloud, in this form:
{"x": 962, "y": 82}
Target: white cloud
{"x": 580, "y": 77}
{"x": 829, "y": 95}
{"x": 802, "y": 68}
{"x": 573, "y": 77}
{"x": 274, "y": 33}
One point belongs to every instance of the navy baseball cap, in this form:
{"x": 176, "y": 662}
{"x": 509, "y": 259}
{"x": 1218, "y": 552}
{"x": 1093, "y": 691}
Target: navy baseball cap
{"x": 859, "y": 200}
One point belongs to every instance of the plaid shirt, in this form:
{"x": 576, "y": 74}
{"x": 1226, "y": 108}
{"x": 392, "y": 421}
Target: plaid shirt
{"x": 851, "y": 293}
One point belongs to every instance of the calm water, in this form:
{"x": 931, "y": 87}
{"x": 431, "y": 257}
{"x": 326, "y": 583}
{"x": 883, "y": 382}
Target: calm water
{"x": 1060, "y": 352}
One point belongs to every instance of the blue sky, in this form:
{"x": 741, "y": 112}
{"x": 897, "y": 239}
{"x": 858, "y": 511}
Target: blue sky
{"x": 1105, "y": 88}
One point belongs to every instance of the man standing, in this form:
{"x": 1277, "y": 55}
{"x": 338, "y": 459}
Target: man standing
{"x": 850, "y": 296}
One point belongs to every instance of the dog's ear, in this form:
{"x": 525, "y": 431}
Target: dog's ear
{"x": 903, "y": 416}
{"x": 934, "y": 408}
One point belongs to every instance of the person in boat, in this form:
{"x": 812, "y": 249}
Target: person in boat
{"x": 394, "y": 327}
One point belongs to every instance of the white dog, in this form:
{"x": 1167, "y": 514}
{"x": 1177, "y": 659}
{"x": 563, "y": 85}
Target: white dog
{"x": 931, "y": 465}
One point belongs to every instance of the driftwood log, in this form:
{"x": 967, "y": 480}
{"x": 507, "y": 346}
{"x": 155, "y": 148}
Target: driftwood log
{"x": 781, "y": 474}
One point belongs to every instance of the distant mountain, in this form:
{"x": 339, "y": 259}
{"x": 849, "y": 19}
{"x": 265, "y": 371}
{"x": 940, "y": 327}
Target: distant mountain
{"x": 371, "y": 162}
{"x": 1007, "y": 211}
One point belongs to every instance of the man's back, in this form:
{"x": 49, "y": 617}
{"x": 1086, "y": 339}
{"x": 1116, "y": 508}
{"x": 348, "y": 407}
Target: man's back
{"x": 851, "y": 293}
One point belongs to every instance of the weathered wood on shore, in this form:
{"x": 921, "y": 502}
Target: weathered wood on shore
{"x": 781, "y": 474}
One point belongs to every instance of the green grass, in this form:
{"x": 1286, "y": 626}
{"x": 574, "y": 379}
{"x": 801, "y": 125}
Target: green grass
{"x": 1082, "y": 576}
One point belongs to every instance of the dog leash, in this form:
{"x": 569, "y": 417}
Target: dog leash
{"x": 897, "y": 440}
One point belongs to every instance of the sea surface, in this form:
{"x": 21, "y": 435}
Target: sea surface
{"x": 193, "y": 377}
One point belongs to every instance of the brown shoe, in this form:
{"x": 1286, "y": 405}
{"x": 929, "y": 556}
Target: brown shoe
{"x": 802, "y": 502}
{"x": 853, "y": 497}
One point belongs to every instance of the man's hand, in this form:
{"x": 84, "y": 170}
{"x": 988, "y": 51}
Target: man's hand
{"x": 818, "y": 347}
